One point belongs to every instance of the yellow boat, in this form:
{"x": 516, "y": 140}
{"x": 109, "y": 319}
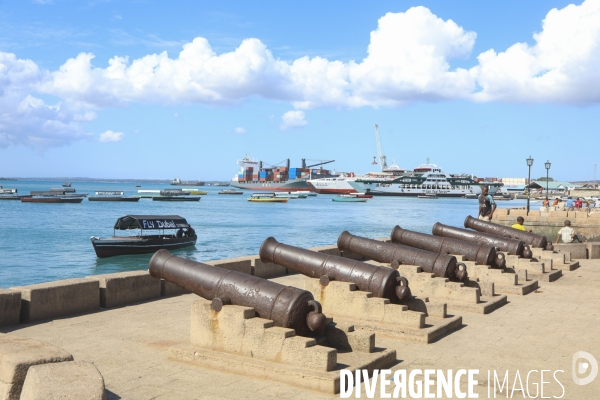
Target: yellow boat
{"x": 198, "y": 192}
{"x": 267, "y": 198}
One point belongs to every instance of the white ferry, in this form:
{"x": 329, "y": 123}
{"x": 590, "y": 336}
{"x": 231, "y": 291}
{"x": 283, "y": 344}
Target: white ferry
{"x": 426, "y": 179}
{"x": 342, "y": 184}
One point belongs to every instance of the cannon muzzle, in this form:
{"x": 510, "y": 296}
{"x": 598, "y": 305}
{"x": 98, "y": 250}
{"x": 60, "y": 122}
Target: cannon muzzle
{"x": 442, "y": 265}
{"x": 495, "y": 229}
{"x": 482, "y": 254}
{"x": 382, "y": 282}
{"x": 286, "y": 306}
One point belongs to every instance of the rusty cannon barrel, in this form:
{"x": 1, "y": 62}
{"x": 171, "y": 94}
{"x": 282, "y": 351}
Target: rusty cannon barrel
{"x": 381, "y": 281}
{"x": 511, "y": 246}
{"x": 526, "y": 237}
{"x": 286, "y": 306}
{"x": 442, "y": 265}
{"x": 482, "y": 254}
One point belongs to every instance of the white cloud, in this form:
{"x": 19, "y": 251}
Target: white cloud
{"x": 43, "y": 2}
{"x": 110, "y": 136}
{"x": 177, "y": 116}
{"x": 408, "y": 60}
{"x": 239, "y": 129}
{"x": 292, "y": 119}
{"x": 27, "y": 120}
{"x": 562, "y": 67}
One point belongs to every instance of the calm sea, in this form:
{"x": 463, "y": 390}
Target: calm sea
{"x": 46, "y": 242}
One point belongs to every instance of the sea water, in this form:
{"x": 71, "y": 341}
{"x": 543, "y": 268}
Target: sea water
{"x": 46, "y": 242}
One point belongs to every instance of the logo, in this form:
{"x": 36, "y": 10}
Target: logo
{"x": 583, "y": 363}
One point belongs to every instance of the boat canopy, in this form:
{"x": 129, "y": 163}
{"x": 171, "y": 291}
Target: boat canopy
{"x": 151, "y": 222}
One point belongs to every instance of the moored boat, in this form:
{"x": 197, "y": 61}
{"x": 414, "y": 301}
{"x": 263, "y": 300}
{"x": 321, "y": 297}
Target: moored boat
{"x": 267, "y": 198}
{"x": 230, "y": 191}
{"x": 349, "y": 199}
{"x": 111, "y": 195}
{"x": 51, "y": 199}
{"x": 428, "y": 196}
{"x": 10, "y": 194}
{"x": 172, "y": 232}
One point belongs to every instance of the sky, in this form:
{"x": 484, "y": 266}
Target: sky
{"x": 155, "y": 90}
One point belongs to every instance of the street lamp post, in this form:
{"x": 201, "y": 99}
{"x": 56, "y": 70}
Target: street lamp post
{"x": 547, "y": 165}
{"x": 529, "y": 164}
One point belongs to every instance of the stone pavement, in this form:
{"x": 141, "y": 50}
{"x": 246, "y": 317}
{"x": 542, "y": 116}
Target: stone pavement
{"x": 538, "y": 331}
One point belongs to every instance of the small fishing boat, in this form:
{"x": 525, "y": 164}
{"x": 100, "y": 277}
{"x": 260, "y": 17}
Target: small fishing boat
{"x": 175, "y": 195}
{"x": 471, "y": 196}
{"x": 54, "y": 196}
{"x": 361, "y": 195}
{"x": 267, "y": 198}
{"x": 349, "y": 198}
{"x": 108, "y": 195}
{"x": 51, "y": 199}
{"x": 289, "y": 195}
{"x": 176, "y": 198}
{"x": 66, "y": 184}
{"x": 230, "y": 191}
{"x": 305, "y": 192}
{"x": 427, "y": 196}
{"x": 172, "y": 232}
{"x": 10, "y": 194}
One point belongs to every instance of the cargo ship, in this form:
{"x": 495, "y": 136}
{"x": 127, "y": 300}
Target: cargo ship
{"x": 426, "y": 179}
{"x": 254, "y": 175}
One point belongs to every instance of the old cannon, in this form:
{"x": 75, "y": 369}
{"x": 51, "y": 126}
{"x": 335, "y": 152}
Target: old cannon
{"x": 482, "y": 254}
{"x": 511, "y": 246}
{"x": 286, "y": 306}
{"x": 382, "y": 282}
{"x": 442, "y": 265}
{"x": 526, "y": 237}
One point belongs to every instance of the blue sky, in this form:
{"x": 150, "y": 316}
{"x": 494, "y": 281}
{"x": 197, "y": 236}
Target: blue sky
{"x": 100, "y": 89}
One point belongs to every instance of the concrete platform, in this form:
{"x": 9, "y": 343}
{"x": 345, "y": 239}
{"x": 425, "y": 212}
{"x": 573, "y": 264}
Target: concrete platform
{"x": 129, "y": 345}
{"x": 344, "y": 303}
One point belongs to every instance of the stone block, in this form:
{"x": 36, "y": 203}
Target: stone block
{"x": 124, "y": 288}
{"x": 513, "y": 218}
{"x": 558, "y": 214}
{"x": 267, "y": 270}
{"x": 594, "y": 215}
{"x": 17, "y": 354}
{"x": 579, "y": 221}
{"x": 501, "y": 217}
{"x": 501, "y": 211}
{"x": 79, "y": 380}
{"x": 557, "y": 221}
{"x": 593, "y": 250}
{"x": 58, "y": 299}
{"x": 331, "y": 250}
{"x": 237, "y": 330}
{"x": 578, "y": 250}
{"x": 581, "y": 214}
{"x": 240, "y": 264}
{"x": 170, "y": 289}
{"x": 517, "y": 212}
{"x": 10, "y": 307}
{"x": 533, "y": 213}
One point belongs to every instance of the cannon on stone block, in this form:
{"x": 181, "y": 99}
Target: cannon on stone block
{"x": 442, "y": 265}
{"x": 286, "y": 306}
{"x": 482, "y": 254}
{"x": 511, "y": 246}
{"x": 380, "y": 281}
{"x": 526, "y": 237}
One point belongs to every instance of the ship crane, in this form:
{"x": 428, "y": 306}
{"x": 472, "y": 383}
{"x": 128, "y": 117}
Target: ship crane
{"x": 314, "y": 165}
{"x": 382, "y": 159}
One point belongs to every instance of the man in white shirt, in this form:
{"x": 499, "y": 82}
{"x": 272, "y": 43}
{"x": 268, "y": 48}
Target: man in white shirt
{"x": 567, "y": 234}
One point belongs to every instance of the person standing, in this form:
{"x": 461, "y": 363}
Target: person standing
{"x": 487, "y": 206}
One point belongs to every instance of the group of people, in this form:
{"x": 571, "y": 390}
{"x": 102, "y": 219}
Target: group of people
{"x": 487, "y": 206}
{"x": 573, "y": 204}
